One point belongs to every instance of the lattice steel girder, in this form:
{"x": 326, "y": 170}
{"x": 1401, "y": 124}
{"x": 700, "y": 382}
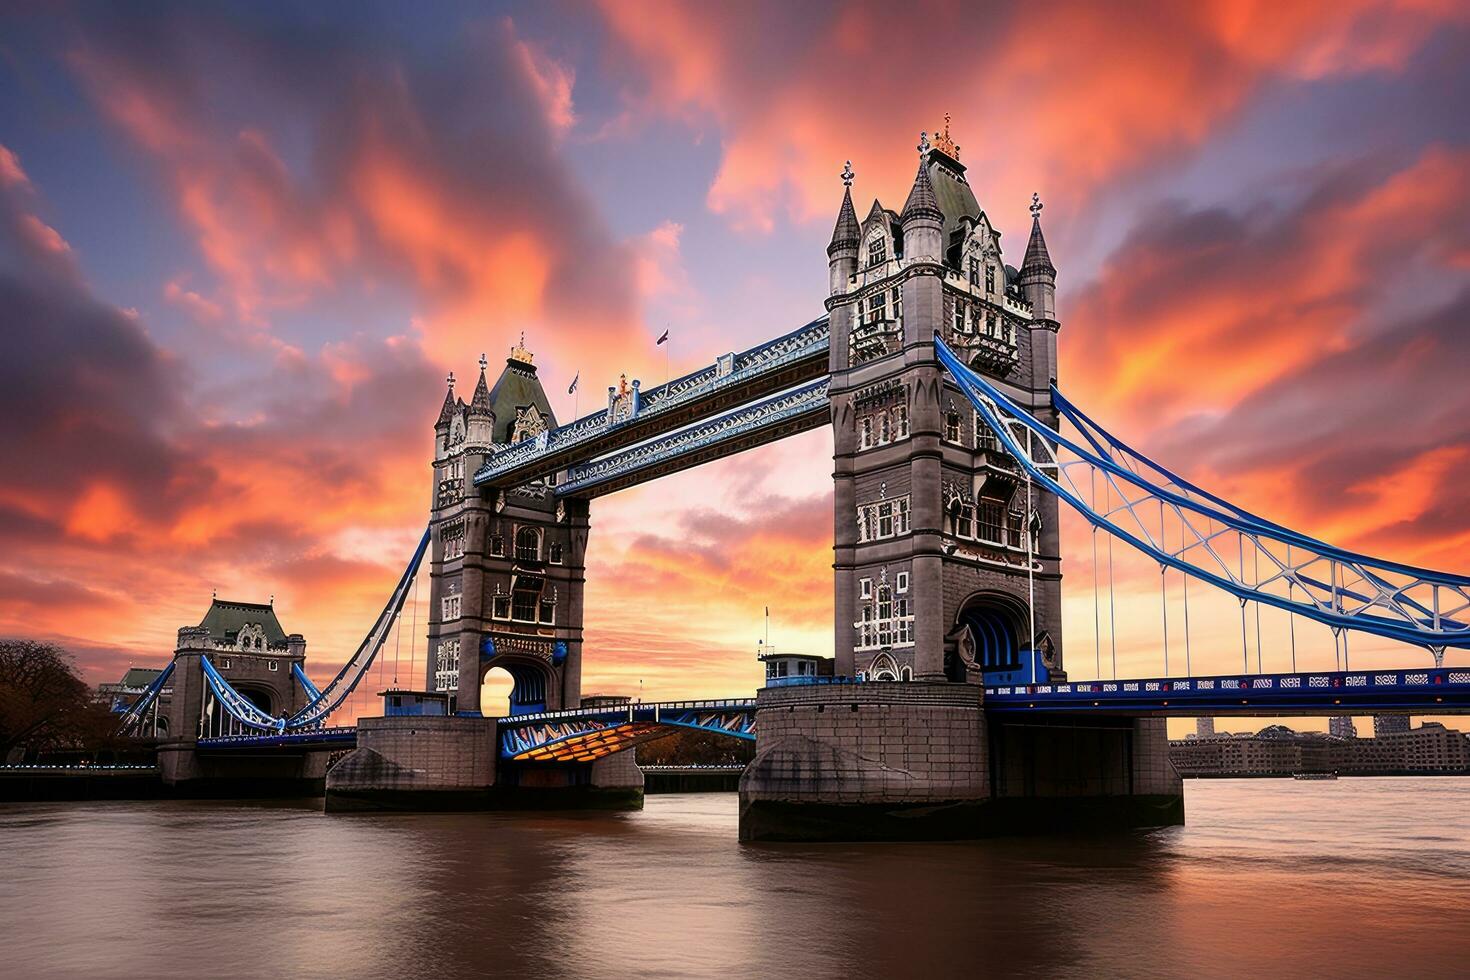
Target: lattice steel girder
{"x": 1218, "y": 542}
{"x": 734, "y": 379}
{"x": 775, "y": 418}
{"x": 1437, "y": 690}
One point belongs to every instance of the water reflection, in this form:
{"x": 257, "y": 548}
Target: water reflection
{"x": 1270, "y": 877}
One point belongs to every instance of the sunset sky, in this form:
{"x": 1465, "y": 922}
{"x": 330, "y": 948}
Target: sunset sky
{"x": 239, "y": 251}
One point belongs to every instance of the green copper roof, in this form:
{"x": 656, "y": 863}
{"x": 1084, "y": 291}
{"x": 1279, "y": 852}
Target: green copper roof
{"x": 517, "y": 388}
{"x": 225, "y": 620}
{"x": 139, "y": 677}
{"x": 952, "y": 193}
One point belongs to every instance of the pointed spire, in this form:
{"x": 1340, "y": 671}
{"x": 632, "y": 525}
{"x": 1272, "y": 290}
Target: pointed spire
{"x": 846, "y": 233}
{"x": 447, "y": 411}
{"x": 480, "y": 404}
{"x": 922, "y": 200}
{"x": 1037, "y": 258}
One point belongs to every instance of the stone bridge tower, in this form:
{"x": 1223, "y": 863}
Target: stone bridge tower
{"x": 932, "y": 518}
{"x": 506, "y": 567}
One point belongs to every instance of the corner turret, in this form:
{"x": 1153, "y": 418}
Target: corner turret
{"x": 842, "y": 252}
{"x": 1038, "y": 276}
{"x": 481, "y": 416}
{"x": 922, "y": 219}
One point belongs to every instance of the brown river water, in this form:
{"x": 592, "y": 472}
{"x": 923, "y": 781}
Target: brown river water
{"x": 1271, "y": 878}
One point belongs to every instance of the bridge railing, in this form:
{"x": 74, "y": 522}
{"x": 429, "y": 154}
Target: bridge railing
{"x": 628, "y": 709}
{"x": 1323, "y": 684}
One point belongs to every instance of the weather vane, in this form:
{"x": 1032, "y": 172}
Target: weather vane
{"x": 847, "y": 174}
{"x": 450, "y": 380}
{"x": 924, "y": 142}
{"x": 1036, "y": 205}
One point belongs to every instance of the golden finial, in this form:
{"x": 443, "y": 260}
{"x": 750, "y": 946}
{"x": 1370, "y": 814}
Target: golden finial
{"x": 519, "y": 352}
{"x": 944, "y": 144}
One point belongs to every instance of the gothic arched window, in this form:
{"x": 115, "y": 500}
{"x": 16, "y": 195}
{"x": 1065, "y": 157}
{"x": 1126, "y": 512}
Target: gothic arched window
{"x": 528, "y": 544}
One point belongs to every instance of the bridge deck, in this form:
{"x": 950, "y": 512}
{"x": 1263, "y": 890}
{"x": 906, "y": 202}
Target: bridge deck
{"x": 1430, "y": 691}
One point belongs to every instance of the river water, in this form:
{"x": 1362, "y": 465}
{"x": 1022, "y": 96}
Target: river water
{"x": 1279, "y": 878}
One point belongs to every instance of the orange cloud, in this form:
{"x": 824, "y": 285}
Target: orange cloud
{"x": 1080, "y": 93}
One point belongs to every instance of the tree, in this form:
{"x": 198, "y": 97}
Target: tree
{"x": 44, "y": 705}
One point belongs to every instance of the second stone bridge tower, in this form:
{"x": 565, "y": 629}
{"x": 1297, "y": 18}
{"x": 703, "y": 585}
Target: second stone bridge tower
{"x": 945, "y": 559}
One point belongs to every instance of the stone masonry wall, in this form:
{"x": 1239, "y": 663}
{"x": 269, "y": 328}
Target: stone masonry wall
{"x": 868, "y": 743}
{"x": 418, "y": 753}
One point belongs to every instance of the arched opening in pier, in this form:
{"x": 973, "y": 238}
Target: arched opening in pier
{"x": 495, "y": 691}
{"x": 996, "y": 622}
{"x": 258, "y": 696}
{"x": 516, "y": 686}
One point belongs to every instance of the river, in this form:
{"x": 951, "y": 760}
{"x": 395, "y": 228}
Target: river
{"x": 1358, "y": 877}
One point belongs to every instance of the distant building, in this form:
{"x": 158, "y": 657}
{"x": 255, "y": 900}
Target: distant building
{"x": 1389, "y": 725}
{"x": 1342, "y": 726}
{"x": 120, "y": 696}
{"x": 1278, "y": 751}
{"x": 1204, "y": 727}
{"x": 123, "y": 692}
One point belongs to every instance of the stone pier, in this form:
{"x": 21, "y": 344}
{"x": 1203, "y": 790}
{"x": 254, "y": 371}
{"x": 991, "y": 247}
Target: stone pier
{"x": 921, "y": 761}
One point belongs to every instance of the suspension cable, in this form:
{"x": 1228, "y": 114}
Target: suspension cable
{"x": 397, "y": 641}
{"x": 1245, "y": 654}
{"x": 1291, "y": 616}
{"x": 1096, "y": 603}
{"x": 1030, "y": 561}
{"x": 1256, "y": 583}
{"x": 1112, "y": 601}
{"x": 1187, "y": 668}
{"x": 413, "y": 635}
{"x": 1163, "y": 588}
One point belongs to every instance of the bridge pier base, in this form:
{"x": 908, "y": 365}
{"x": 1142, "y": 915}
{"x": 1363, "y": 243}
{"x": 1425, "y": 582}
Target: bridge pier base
{"x": 451, "y": 763}
{"x": 921, "y": 761}
{"x": 269, "y": 773}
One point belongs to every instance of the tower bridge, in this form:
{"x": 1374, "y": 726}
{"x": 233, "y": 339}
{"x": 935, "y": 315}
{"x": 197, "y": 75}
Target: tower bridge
{"x": 948, "y": 710}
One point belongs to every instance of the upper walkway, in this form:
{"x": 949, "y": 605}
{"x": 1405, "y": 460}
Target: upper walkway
{"x": 733, "y": 380}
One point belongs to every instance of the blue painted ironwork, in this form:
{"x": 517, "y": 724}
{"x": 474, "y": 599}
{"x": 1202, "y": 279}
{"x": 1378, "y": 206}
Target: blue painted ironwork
{"x": 237, "y": 705}
{"x": 134, "y": 714}
{"x": 808, "y": 400}
{"x": 1342, "y": 589}
{"x": 804, "y": 342}
{"x": 341, "y": 735}
{"x": 590, "y": 732}
{"x": 1433, "y": 690}
{"x": 331, "y": 697}
{"x": 312, "y": 691}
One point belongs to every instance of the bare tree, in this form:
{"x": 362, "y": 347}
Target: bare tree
{"x": 43, "y": 703}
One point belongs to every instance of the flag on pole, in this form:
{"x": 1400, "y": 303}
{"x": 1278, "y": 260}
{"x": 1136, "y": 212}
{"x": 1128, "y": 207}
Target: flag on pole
{"x": 573, "y": 386}
{"x": 662, "y": 339}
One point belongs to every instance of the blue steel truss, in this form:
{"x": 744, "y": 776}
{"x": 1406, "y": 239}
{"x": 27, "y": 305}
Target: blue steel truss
{"x": 130, "y": 719}
{"x": 1325, "y": 692}
{"x": 1217, "y": 542}
{"x": 808, "y": 400}
{"x": 593, "y": 732}
{"x": 733, "y": 369}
